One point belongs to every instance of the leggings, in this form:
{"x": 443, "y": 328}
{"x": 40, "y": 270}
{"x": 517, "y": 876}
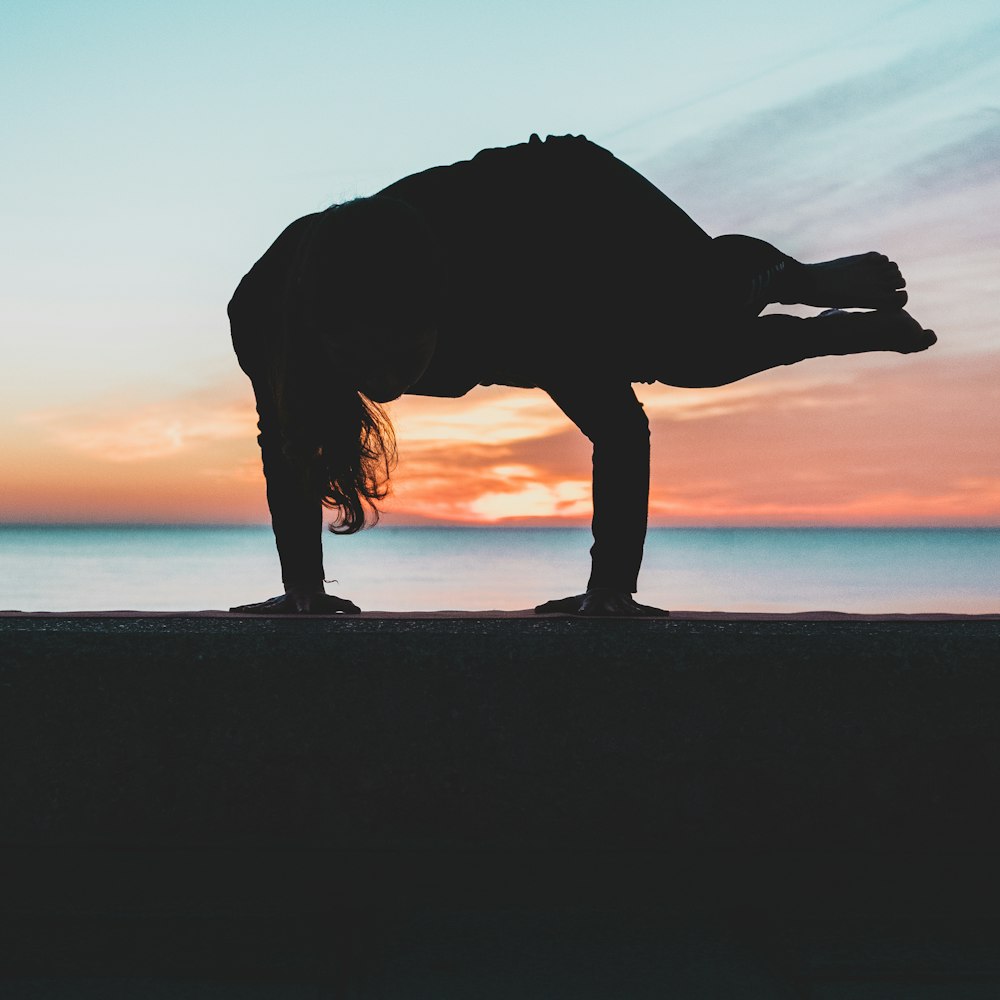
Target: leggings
{"x": 682, "y": 308}
{"x": 728, "y": 339}
{"x": 665, "y": 302}
{"x": 731, "y": 342}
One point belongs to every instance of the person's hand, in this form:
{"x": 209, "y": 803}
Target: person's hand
{"x": 600, "y": 602}
{"x": 301, "y": 602}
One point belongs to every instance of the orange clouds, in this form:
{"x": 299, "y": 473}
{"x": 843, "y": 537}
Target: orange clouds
{"x": 906, "y": 443}
{"x": 461, "y": 461}
{"x": 183, "y": 460}
{"x": 882, "y": 440}
{"x": 885, "y": 440}
{"x": 149, "y": 431}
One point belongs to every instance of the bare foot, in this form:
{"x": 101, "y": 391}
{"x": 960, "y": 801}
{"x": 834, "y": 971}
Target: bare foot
{"x": 314, "y": 604}
{"x": 883, "y": 330}
{"x": 600, "y": 603}
{"x": 864, "y": 281}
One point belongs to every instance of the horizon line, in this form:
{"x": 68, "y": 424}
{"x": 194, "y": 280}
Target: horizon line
{"x": 517, "y": 526}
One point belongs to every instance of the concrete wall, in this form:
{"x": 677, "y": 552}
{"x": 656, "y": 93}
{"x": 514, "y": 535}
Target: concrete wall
{"x": 800, "y": 778}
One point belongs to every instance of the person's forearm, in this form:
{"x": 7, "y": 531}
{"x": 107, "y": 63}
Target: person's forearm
{"x": 256, "y": 318}
{"x": 607, "y": 411}
{"x": 297, "y": 521}
{"x": 621, "y": 503}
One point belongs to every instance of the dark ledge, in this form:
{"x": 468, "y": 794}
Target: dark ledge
{"x": 822, "y": 789}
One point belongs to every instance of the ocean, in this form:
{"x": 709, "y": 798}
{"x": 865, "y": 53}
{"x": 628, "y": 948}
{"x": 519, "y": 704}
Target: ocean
{"x": 389, "y": 568}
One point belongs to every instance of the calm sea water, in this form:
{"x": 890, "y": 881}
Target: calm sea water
{"x": 422, "y": 569}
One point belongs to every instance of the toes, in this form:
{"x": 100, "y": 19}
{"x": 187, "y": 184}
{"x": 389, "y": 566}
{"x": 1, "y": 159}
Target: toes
{"x": 895, "y": 275}
{"x": 927, "y": 338}
{"x": 886, "y": 268}
{"x": 889, "y": 302}
{"x": 919, "y": 341}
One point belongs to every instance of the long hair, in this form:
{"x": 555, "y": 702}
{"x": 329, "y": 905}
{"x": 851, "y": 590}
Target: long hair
{"x": 340, "y": 443}
{"x": 364, "y": 257}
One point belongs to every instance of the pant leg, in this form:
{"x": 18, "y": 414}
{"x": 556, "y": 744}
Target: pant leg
{"x": 747, "y": 274}
{"x": 614, "y": 242}
{"x": 611, "y": 199}
{"x": 608, "y": 412}
{"x": 725, "y": 339}
{"x": 750, "y": 347}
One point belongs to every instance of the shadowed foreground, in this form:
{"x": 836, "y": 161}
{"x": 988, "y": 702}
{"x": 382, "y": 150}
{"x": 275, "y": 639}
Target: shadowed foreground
{"x": 507, "y": 807}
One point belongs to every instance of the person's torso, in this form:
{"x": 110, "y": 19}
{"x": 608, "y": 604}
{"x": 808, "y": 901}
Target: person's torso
{"x": 519, "y": 232}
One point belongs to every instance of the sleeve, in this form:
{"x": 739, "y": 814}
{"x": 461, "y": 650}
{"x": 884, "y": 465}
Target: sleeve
{"x": 296, "y": 516}
{"x": 611, "y": 416}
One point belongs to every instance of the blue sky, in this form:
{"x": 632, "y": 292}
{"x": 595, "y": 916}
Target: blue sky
{"x": 152, "y": 151}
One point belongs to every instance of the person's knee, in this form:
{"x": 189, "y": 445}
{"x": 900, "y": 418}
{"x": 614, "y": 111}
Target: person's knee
{"x": 625, "y": 426}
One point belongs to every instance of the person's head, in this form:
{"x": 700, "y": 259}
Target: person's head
{"x": 369, "y": 289}
{"x": 361, "y": 307}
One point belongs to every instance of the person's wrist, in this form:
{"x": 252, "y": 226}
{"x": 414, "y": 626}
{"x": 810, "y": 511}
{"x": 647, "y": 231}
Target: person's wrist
{"x": 304, "y": 588}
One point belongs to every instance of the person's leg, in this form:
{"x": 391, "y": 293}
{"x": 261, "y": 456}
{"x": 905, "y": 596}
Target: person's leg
{"x": 862, "y": 281}
{"x": 612, "y": 199}
{"x": 613, "y": 238}
{"x": 635, "y": 236}
{"x": 728, "y": 340}
{"x": 749, "y": 346}
{"x": 753, "y": 274}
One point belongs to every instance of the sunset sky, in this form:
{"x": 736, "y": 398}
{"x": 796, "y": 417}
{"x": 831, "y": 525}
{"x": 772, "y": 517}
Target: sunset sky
{"x": 152, "y": 151}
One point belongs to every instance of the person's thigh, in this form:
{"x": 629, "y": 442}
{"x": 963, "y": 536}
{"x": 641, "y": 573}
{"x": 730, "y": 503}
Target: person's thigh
{"x": 617, "y": 198}
{"x": 729, "y": 349}
{"x": 616, "y": 254}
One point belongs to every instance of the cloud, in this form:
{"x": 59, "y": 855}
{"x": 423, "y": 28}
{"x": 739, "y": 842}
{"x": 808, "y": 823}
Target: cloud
{"x": 487, "y": 483}
{"x": 897, "y": 440}
{"x": 488, "y": 415}
{"x": 895, "y": 444}
{"x": 969, "y": 160}
{"x": 472, "y": 461}
{"x": 880, "y": 439}
{"x": 881, "y": 140}
{"x": 122, "y": 433}
{"x": 902, "y": 160}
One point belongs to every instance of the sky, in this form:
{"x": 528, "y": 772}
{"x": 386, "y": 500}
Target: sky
{"x": 153, "y": 151}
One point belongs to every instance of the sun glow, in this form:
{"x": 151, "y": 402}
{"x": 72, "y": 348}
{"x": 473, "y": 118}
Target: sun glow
{"x": 560, "y": 500}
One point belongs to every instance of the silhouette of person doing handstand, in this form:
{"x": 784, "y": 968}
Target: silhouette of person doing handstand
{"x": 545, "y": 264}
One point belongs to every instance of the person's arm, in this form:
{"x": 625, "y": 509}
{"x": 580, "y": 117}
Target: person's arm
{"x": 297, "y": 521}
{"x": 608, "y": 412}
{"x": 296, "y": 516}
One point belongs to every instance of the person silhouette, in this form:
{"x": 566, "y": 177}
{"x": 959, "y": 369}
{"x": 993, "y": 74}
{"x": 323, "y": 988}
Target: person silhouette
{"x": 548, "y": 264}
